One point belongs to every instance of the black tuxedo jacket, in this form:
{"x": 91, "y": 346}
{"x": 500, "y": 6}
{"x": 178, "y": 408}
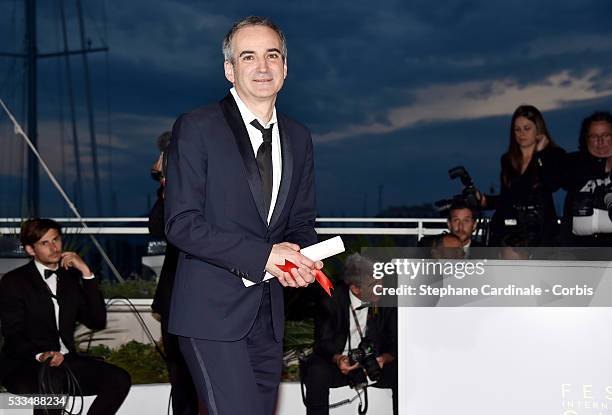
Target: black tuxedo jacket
{"x": 332, "y": 326}
{"x": 215, "y": 216}
{"x": 28, "y": 318}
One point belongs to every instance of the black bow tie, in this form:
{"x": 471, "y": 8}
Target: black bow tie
{"x": 49, "y": 272}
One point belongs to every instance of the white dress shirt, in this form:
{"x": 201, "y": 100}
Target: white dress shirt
{"x": 362, "y": 318}
{"x": 256, "y": 139}
{"x": 52, "y": 284}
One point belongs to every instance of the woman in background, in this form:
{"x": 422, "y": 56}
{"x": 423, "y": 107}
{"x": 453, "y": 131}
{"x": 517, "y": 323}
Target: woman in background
{"x": 529, "y": 176}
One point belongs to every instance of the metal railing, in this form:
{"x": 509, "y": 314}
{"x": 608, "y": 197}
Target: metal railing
{"x": 418, "y": 227}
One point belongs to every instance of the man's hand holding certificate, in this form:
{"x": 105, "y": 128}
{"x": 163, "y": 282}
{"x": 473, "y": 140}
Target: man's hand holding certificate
{"x": 299, "y": 268}
{"x": 301, "y": 275}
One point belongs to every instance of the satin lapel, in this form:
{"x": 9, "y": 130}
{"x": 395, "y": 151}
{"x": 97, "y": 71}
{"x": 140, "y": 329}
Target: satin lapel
{"x": 42, "y": 292}
{"x": 234, "y": 120}
{"x": 287, "y": 173}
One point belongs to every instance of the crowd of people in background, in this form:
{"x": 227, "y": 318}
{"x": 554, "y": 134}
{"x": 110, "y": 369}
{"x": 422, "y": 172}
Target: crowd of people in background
{"x": 532, "y": 169}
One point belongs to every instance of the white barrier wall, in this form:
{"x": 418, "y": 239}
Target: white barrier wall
{"x": 509, "y": 360}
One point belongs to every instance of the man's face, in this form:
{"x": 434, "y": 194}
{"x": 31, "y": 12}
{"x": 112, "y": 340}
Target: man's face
{"x": 599, "y": 140}
{"x": 259, "y": 69}
{"x": 462, "y": 224}
{"x": 48, "y": 249}
{"x": 365, "y": 292}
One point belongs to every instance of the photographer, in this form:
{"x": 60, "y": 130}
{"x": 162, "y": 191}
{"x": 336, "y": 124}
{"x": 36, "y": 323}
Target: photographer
{"x": 342, "y": 328}
{"x": 587, "y": 181}
{"x": 529, "y": 176}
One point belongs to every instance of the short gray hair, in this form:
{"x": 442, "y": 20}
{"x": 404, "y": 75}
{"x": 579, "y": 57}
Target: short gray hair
{"x": 228, "y": 53}
{"x": 356, "y": 269}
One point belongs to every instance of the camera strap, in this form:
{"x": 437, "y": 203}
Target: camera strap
{"x": 359, "y": 330}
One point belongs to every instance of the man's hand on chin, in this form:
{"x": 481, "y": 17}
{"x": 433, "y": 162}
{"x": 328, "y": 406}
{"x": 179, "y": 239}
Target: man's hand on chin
{"x": 302, "y": 276}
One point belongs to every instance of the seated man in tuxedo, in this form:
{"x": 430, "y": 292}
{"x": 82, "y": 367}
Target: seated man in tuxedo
{"x": 343, "y": 321}
{"x": 40, "y": 305}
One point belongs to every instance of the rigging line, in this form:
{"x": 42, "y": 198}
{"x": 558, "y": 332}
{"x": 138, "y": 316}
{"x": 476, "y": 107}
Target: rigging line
{"x": 96, "y": 26}
{"x": 24, "y": 153}
{"x": 108, "y": 108}
{"x": 19, "y": 131}
{"x": 60, "y": 87}
{"x": 78, "y": 191}
{"x": 90, "y": 117}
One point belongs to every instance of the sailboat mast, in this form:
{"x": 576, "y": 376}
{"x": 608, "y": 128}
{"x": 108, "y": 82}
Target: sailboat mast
{"x": 88, "y": 99}
{"x": 33, "y": 207}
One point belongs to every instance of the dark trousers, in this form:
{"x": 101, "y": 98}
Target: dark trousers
{"x": 238, "y": 377}
{"x": 322, "y": 375}
{"x": 184, "y": 395}
{"x": 110, "y": 383}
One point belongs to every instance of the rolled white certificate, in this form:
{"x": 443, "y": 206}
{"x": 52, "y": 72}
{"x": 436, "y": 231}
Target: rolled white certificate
{"x": 316, "y": 252}
{"x": 324, "y": 250}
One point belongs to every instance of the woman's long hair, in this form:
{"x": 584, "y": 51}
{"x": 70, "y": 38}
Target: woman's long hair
{"x": 512, "y": 165}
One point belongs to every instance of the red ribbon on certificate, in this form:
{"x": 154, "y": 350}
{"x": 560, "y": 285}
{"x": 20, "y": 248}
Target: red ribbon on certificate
{"x": 319, "y": 276}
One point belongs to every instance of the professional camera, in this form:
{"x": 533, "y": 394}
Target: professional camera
{"x": 468, "y": 194}
{"x": 365, "y": 355}
{"x": 592, "y": 212}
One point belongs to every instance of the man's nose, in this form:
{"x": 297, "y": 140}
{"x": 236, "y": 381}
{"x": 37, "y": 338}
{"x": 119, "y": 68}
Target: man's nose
{"x": 262, "y": 65}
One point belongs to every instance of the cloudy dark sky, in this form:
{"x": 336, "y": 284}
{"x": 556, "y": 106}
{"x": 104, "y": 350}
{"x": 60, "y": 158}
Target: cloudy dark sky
{"x": 395, "y": 92}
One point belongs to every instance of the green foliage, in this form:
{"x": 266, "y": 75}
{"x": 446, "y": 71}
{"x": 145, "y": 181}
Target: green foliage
{"x": 100, "y": 350}
{"x": 136, "y": 288}
{"x": 299, "y": 335}
{"x": 299, "y": 338}
{"x": 142, "y": 361}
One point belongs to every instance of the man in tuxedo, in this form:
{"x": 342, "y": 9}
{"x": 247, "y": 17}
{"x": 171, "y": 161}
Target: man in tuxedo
{"x": 183, "y": 391}
{"x": 240, "y": 200}
{"x": 342, "y": 322}
{"x": 40, "y": 305}
{"x": 462, "y": 223}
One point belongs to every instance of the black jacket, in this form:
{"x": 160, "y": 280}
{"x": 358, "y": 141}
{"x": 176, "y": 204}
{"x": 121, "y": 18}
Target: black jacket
{"x": 584, "y": 174}
{"x": 527, "y": 198}
{"x": 332, "y": 326}
{"x": 163, "y": 293}
{"x": 28, "y": 318}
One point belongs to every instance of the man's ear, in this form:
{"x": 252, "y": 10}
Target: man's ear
{"x": 285, "y": 68}
{"x": 355, "y": 290}
{"x": 29, "y": 250}
{"x": 229, "y": 71}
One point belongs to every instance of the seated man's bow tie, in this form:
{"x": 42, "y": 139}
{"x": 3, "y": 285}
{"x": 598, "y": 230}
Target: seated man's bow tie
{"x": 49, "y": 272}
{"x": 363, "y": 305}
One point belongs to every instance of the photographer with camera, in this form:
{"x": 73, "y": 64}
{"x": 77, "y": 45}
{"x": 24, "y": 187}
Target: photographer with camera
{"x": 353, "y": 339}
{"x": 586, "y": 213}
{"x": 530, "y": 174}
